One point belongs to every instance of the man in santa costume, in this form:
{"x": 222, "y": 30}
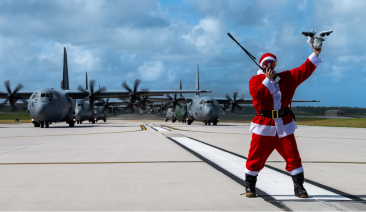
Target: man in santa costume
{"x": 274, "y": 126}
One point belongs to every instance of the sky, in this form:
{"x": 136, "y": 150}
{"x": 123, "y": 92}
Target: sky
{"x": 161, "y": 43}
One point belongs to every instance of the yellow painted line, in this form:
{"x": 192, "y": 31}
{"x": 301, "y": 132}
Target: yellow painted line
{"x": 123, "y": 162}
{"x": 143, "y": 127}
{"x": 31, "y": 136}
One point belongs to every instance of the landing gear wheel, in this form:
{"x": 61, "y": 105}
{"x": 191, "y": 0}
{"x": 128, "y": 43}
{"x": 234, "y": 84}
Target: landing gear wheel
{"x": 77, "y": 121}
{"x": 47, "y": 124}
{"x": 71, "y": 124}
{"x": 166, "y": 120}
{"x": 36, "y": 124}
{"x": 205, "y": 122}
{"x": 189, "y": 122}
{"x": 42, "y": 124}
{"x": 81, "y": 122}
{"x": 104, "y": 119}
{"x": 214, "y": 123}
{"x": 209, "y": 123}
{"x": 93, "y": 122}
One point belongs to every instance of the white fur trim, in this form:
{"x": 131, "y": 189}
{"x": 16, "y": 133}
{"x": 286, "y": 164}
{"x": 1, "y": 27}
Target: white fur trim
{"x": 251, "y": 172}
{"x": 280, "y": 129}
{"x": 267, "y": 58}
{"x": 276, "y": 96}
{"x": 316, "y": 60}
{"x": 269, "y": 85}
{"x": 285, "y": 130}
{"x": 265, "y": 130}
{"x": 297, "y": 171}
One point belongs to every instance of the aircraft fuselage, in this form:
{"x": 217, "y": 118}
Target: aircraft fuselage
{"x": 48, "y": 105}
{"x": 206, "y": 109}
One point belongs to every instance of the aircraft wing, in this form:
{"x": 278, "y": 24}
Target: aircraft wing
{"x": 158, "y": 99}
{"x": 222, "y": 100}
{"x": 167, "y": 99}
{"x": 103, "y": 94}
{"x": 18, "y": 95}
{"x": 77, "y": 94}
{"x": 111, "y": 103}
{"x": 114, "y": 94}
{"x": 163, "y": 92}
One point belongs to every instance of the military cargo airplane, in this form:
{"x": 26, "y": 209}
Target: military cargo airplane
{"x": 178, "y": 110}
{"x": 84, "y": 111}
{"x": 48, "y": 105}
{"x": 206, "y": 109}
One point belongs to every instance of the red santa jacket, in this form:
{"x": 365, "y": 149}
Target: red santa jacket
{"x": 270, "y": 95}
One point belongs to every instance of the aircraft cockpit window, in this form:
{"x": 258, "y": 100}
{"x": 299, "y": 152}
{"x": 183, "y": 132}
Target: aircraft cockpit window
{"x": 35, "y": 95}
{"x": 53, "y": 96}
{"x": 46, "y": 95}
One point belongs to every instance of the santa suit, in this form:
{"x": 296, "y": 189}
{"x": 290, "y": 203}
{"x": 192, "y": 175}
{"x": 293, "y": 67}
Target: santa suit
{"x": 268, "y": 133}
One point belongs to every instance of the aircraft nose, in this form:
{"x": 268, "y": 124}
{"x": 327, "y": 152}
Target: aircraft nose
{"x": 43, "y": 111}
{"x": 207, "y": 113}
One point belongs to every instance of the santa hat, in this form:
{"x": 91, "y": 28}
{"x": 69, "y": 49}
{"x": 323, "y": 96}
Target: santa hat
{"x": 267, "y": 56}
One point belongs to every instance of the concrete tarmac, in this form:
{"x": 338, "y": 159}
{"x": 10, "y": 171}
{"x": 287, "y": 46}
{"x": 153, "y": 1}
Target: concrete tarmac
{"x": 118, "y": 165}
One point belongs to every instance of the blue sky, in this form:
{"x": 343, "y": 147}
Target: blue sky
{"x": 160, "y": 42}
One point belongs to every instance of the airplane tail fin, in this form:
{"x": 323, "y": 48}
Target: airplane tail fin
{"x": 197, "y": 81}
{"x": 86, "y": 80}
{"x": 180, "y": 87}
{"x": 65, "y": 77}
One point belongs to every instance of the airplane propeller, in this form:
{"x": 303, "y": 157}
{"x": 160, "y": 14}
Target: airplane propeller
{"x": 105, "y": 104}
{"x": 92, "y": 95}
{"x": 233, "y": 102}
{"x": 224, "y": 108}
{"x": 174, "y": 101}
{"x": 134, "y": 97}
{"x": 133, "y": 93}
{"x": 12, "y": 95}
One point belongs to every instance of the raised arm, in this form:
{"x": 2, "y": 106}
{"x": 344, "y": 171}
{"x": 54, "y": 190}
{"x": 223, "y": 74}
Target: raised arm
{"x": 260, "y": 89}
{"x": 300, "y": 74}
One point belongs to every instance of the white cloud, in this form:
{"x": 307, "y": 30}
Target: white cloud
{"x": 151, "y": 71}
{"x": 337, "y": 73}
{"x": 207, "y": 36}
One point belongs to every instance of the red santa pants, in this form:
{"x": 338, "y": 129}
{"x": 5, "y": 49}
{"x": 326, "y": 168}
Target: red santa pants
{"x": 262, "y": 146}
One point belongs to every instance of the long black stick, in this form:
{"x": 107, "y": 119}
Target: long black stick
{"x": 250, "y": 55}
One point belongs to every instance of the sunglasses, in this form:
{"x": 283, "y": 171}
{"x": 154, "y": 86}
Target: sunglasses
{"x": 269, "y": 62}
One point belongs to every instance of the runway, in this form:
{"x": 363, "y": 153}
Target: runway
{"x": 147, "y": 164}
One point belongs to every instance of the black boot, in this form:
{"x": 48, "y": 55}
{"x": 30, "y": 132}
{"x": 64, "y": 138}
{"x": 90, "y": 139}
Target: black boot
{"x": 298, "y": 184}
{"x": 250, "y": 187}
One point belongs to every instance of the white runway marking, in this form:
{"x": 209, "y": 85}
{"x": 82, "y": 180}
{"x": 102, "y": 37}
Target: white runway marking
{"x": 274, "y": 183}
{"x": 160, "y": 129}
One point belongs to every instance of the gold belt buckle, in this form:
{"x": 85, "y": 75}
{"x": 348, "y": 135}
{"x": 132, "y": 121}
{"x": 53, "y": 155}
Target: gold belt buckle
{"x": 273, "y": 114}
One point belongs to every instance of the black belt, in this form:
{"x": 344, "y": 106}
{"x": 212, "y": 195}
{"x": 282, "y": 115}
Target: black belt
{"x": 275, "y": 114}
